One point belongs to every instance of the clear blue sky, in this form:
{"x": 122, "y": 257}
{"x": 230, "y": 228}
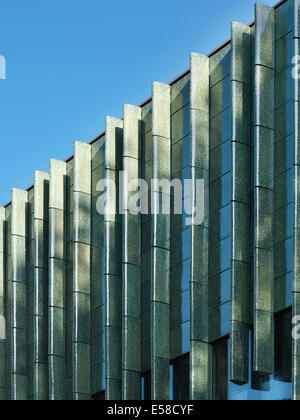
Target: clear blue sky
{"x": 72, "y": 62}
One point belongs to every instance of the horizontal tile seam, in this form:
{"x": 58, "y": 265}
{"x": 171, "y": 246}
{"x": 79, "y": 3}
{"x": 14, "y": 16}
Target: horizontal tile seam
{"x": 15, "y": 235}
{"x": 55, "y": 307}
{"x": 242, "y": 83}
{"x": 77, "y": 292}
{"x": 18, "y": 282}
{"x": 162, "y": 137}
{"x": 75, "y": 242}
{"x": 38, "y": 267}
{"x": 57, "y": 259}
{"x": 263, "y": 65}
{"x": 64, "y": 210}
{"x": 261, "y": 187}
{"x": 192, "y": 108}
{"x": 262, "y": 310}
{"x": 11, "y": 327}
{"x": 45, "y": 220}
{"x": 262, "y": 126}
{"x": 271, "y": 250}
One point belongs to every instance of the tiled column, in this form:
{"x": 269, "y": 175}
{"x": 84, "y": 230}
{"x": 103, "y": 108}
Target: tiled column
{"x": 160, "y": 251}
{"x": 296, "y": 282}
{"x": 241, "y": 153}
{"x": 18, "y": 296}
{"x": 39, "y": 274}
{"x": 131, "y": 267}
{"x": 113, "y": 260}
{"x": 264, "y": 190}
{"x": 57, "y": 278}
{"x": 200, "y": 352}
{"x": 97, "y": 272}
{"x": 7, "y": 288}
{"x": 2, "y": 302}
{"x": 81, "y": 336}
{"x": 146, "y": 242}
{"x": 69, "y": 254}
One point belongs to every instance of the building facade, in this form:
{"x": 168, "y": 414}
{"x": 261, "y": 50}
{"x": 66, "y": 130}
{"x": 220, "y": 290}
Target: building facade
{"x": 143, "y": 306}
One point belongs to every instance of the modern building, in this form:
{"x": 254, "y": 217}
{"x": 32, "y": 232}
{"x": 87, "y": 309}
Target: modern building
{"x": 131, "y": 306}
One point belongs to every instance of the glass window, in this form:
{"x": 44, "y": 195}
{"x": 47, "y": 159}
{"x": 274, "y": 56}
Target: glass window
{"x": 185, "y": 306}
{"x": 284, "y": 257}
{"x": 284, "y": 121}
{"x": 284, "y": 155}
{"x": 181, "y": 274}
{"x": 220, "y": 95}
{"x": 221, "y": 192}
{"x": 220, "y": 289}
{"x": 186, "y": 244}
{"x": 220, "y": 64}
{"x": 284, "y": 87}
{"x": 146, "y": 386}
{"x": 221, "y": 226}
{"x": 185, "y": 335}
{"x": 284, "y": 221}
{"x": 272, "y": 387}
{"x": 283, "y": 347}
{"x": 225, "y": 257}
{"x": 220, "y": 129}
{"x": 220, "y": 256}
{"x": 181, "y": 123}
{"x": 181, "y": 155}
{"x": 284, "y": 52}
{"x": 284, "y": 189}
{"x": 180, "y": 93}
{"x": 285, "y": 16}
{"x": 226, "y": 189}
{"x": 220, "y": 368}
{"x": 220, "y": 160}
{"x": 180, "y": 309}
{"x": 288, "y": 282}
{"x": 180, "y": 379}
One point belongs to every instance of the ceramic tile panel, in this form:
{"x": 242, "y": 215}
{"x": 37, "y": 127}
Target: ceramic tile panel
{"x": 160, "y": 307}
{"x": 264, "y": 189}
{"x": 131, "y": 258}
{"x": 57, "y": 276}
{"x": 81, "y": 287}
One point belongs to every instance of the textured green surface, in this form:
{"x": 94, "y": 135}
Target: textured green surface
{"x": 113, "y": 261}
{"x": 240, "y": 149}
{"x": 81, "y": 338}
{"x": 200, "y": 360}
{"x": 97, "y": 275}
{"x": 18, "y": 368}
{"x": 57, "y": 278}
{"x": 264, "y": 189}
{"x": 38, "y": 288}
{"x": 2, "y": 300}
{"x": 131, "y": 261}
{"x": 160, "y": 301}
